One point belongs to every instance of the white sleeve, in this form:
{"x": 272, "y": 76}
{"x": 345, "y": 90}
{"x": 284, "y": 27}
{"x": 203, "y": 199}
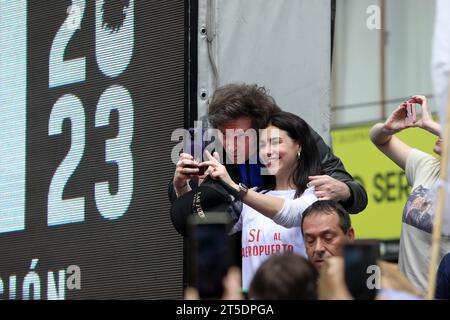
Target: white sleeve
{"x": 291, "y": 213}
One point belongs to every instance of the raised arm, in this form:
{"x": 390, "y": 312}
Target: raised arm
{"x": 382, "y": 134}
{"x": 394, "y": 148}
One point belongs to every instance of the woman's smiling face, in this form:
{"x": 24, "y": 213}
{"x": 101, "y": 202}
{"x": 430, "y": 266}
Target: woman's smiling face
{"x": 278, "y": 151}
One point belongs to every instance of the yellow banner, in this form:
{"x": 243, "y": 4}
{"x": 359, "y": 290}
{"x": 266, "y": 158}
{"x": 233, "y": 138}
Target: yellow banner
{"x": 384, "y": 181}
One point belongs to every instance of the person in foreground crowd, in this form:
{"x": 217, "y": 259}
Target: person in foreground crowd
{"x": 326, "y": 228}
{"x": 422, "y": 173}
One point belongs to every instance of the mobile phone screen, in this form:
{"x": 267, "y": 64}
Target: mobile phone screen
{"x": 359, "y": 256}
{"x": 210, "y": 258}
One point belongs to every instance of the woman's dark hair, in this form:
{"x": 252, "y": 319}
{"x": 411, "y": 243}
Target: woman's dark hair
{"x": 309, "y": 162}
{"x": 286, "y": 276}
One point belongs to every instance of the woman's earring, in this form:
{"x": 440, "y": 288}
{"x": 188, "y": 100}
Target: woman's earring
{"x": 298, "y": 154}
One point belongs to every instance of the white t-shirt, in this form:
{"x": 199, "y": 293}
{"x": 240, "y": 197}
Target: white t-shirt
{"x": 262, "y": 237}
{"x": 422, "y": 172}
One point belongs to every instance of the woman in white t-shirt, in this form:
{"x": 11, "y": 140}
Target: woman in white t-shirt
{"x": 271, "y": 215}
{"x": 422, "y": 173}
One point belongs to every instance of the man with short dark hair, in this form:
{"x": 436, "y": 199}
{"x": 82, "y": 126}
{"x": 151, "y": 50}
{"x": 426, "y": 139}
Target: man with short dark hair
{"x": 326, "y": 228}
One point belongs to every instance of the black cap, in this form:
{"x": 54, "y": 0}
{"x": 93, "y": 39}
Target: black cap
{"x": 210, "y": 196}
